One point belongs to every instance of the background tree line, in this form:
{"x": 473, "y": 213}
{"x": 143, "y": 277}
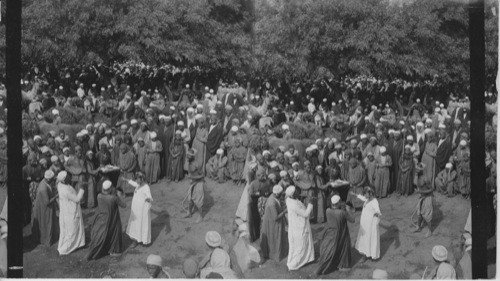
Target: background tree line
{"x": 413, "y": 40}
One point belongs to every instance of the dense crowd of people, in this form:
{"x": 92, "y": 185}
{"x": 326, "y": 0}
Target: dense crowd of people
{"x": 386, "y": 138}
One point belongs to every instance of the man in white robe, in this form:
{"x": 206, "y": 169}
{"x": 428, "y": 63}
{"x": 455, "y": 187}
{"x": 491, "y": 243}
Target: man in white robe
{"x": 301, "y": 247}
{"x": 368, "y": 241}
{"x": 139, "y": 223}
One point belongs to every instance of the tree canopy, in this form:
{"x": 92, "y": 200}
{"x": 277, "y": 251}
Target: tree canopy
{"x": 414, "y": 40}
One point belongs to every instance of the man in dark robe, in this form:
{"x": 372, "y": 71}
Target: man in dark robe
{"x": 106, "y": 233}
{"x": 32, "y": 175}
{"x": 257, "y": 188}
{"x": 168, "y": 138}
{"x": 335, "y": 249}
{"x": 444, "y": 151}
{"x": 128, "y": 166}
{"x": 215, "y": 135}
{"x": 45, "y": 227}
{"x": 305, "y": 181}
{"x": 273, "y": 237}
{"x": 395, "y": 149}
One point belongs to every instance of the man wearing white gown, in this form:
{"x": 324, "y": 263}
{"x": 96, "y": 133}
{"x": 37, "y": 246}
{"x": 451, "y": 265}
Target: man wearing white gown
{"x": 139, "y": 223}
{"x": 368, "y": 241}
{"x": 72, "y": 231}
{"x": 301, "y": 247}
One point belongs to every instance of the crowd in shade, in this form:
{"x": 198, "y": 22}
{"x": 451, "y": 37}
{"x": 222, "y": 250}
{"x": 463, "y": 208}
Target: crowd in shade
{"x": 375, "y": 139}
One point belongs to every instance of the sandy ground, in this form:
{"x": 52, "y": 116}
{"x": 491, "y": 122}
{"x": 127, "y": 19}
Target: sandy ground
{"x": 175, "y": 239}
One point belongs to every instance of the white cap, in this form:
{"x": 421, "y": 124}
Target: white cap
{"x": 220, "y": 151}
{"x": 106, "y": 185}
{"x": 409, "y": 137}
{"x": 285, "y": 127}
{"x": 266, "y": 152}
{"x": 335, "y": 199}
{"x": 277, "y": 189}
{"x": 62, "y": 175}
{"x": 442, "y": 126}
{"x": 290, "y": 190}
{"x": 363, "y": 136}
{"x": 49, "y": 174}
{"x": 55, "y": 112}
{"x": 213, "y": 111}
{"x": 234, "y": 128}
{"x": 283, "y": 174}
{"x": 382, "y": 149}
{"x": 449, "y": 165}
{"x": 152, "y": 135}
{"x": 463, "y": 142}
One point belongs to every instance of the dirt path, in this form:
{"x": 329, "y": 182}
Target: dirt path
{"x": 175, "y": 239}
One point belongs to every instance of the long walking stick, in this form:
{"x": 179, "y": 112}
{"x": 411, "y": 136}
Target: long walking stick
{"x": 423, "y": 275}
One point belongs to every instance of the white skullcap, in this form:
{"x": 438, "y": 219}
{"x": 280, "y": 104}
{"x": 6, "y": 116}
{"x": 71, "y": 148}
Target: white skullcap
{"x": 106, "y": 185}
{"x": 409, "y": 137}
{"x": 37, "y": 137}
{"x": 463, "y": 142}
{"x": 449, "y": 165}
{"x": 326, "y": 140}
{"x": 437, "y": 110}
{"x": 79, "y": 134}
{"x": 211, "y": 91}
{"x": 442, "y": 126}
{"x": 199, "y": 105}
{"x": 283, "y": 174}
{"x": 180, "y": 123}
{"x": 420, "y": 124}
{"x": 53, "y": 158}
{"x": 335, "y": 199}
{"x": 155, "y": 259}
{"x": 49, "y": 174}
{"x": 295, "y": 164}
{"x": 363, "y": 136}
{"x": 428, "y": 120}
{"x": 190, "y": 109}
{"x": 84, "y": 132}
{"x": 418, "y": 100}
{"x": 55, "y": 111}
{"x": 309, "y": 149}
{"x": 290, "y": 190}
{"x": 277, "y": 189}
{"x": 266, "y": 152}
{"x": 285, "y": 127}
{"x": 391, "y": 131}
{"x": 234, "y": 128}
{"x": 441, "y": 105}
{"x": 96, "y": 125}
{"x": 318, "y": 141}
{"x": 152, "y": 135}
{"x": 220, "y": 151}
{"x": 65, "y": 149}
{"x": 314, "y": 147}
{"x": 133, "y": 121}
{"x": 213, "y": 111}
{"x": 402, "y": 122}
{"x": 62, "y": 175}
{"x": 88, "y": 126}
{"x": 273, "y": 164}
{"x": 382, "y": 149}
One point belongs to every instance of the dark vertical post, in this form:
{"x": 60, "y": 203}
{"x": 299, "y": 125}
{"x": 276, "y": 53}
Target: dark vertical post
{"x": 477, "y": 145}
{"x": 14, "y": 137}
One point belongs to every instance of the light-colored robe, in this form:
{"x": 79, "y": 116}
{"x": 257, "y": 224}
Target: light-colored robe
{"x": 139, "y": 223}
{"x": 368, "y": 241}
{"x": 300, "y": 241}
{"x": 72, "y": 231}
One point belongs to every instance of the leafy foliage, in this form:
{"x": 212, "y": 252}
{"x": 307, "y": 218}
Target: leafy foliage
{"x": 414, "y": 40}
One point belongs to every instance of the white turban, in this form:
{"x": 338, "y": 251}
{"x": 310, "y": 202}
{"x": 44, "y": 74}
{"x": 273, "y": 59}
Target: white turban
{"x": 277, "y": 189}
{"x": 62, "y": 175}
{"x": 283, "y": 174}
{"x": 55, "y": 112}
{"x": 449, "y": 165}
{"x": 335, "y": 199}
{"x": 49, "y": 174}
{"x": 290, "y": 190}
{"x": 152, "y": 135}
